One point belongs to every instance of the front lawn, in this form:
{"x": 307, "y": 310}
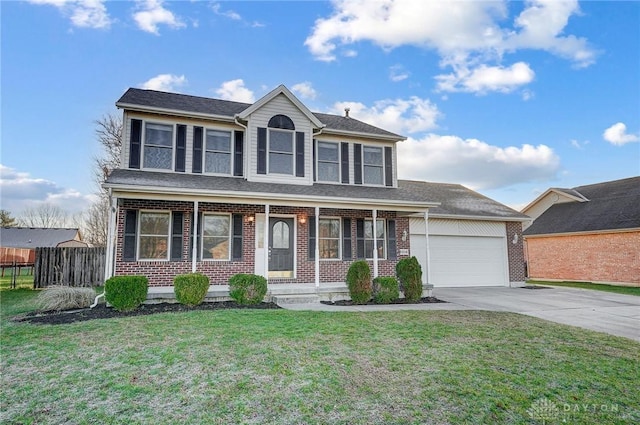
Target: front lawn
{"x": 625, "y": 290}
{"x": 283, "y": 367}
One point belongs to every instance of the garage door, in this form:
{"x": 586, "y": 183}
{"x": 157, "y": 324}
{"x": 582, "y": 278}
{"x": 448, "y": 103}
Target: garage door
{"x": 463, "y": 260}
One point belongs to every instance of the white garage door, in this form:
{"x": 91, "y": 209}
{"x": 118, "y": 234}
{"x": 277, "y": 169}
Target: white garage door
{"x": 463, "y": 260}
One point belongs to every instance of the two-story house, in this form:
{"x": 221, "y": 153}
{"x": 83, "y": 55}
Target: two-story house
{"x": 271, "y": 188}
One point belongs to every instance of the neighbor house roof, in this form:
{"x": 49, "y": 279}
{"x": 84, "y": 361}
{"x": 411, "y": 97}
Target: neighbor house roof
{"x": 217, "y": 108}
{"x": 32, "y": 237}
{"x": 443, "y": 199}
{"x": 613, "y": 205}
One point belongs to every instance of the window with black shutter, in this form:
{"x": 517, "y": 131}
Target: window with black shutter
{"x": 238, "y": 162}
{"x": 129, "y": 242}
{"x": 346, "y": 239}
{"x": 135, "y": 143}
{"x": 176, "y": 235}
{"x": 312, "y": 237}
{"x": 236, "y": 240}
{"x": 196, "y": 166}
{"x": 391, "y": 240}
{"x": 181, "y": 147}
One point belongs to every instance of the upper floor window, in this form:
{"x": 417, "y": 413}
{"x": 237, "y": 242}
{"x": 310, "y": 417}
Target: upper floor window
{"x": 281, "y": 147}
{"x": 158, "y": 146}
{"x": 217, "y": 156}
{"x": 328, "y": 162}
{"x": 372, "y": 164}
{"x": 153, "y": 235}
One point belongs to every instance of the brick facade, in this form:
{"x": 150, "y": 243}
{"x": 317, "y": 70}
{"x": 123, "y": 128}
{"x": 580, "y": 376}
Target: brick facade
{"x": 605, "y": 257}
{"x": 515, "y": 252}
{"x": 219, "y": 272}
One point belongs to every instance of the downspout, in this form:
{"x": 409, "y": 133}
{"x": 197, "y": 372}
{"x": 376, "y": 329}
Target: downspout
{"x": 427, "y": 276}
{"x": 109, "y": 265}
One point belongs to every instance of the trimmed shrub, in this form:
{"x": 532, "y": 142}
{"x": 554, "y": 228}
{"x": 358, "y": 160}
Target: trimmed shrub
{"x": 409, "y": 274}
{"x": 191, "y": 288}
{"x": 359, "y": 282}
{"x": 385, "y": 290}
{"x": 65, "y": 298}
{"x": 126, "y": 293}
{"x": 247, "y": 288}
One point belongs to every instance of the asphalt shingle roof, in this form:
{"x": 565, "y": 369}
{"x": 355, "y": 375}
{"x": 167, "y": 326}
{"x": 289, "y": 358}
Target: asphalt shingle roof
{"x": 454, "y": 199}
{"x": 226, "y": 108}
{"x": 30, "y": 237}
{"x": 611, "y": 205}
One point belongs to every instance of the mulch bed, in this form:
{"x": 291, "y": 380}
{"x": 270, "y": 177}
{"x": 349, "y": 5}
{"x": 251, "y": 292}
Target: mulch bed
{"x": 425, "y": 300}
{"x": 101, "y": 311}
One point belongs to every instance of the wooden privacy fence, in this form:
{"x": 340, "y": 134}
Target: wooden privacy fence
{"x": 69, "y": 266}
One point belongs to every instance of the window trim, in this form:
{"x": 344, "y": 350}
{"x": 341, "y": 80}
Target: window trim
{"x": 338, "y": 162}
{"x": 384, "y": 239}
{"x": 292, "y": 153}
{"x": 144, "y": 144}
{"x": 205, "y": 150}
{"x": 365, "y": 165}
{"x": 139, "y": 234}
{"x": 339, "y": 238}
{"x": 229, "y": 236}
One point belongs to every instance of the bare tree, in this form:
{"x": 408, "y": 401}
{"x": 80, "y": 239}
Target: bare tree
{"x": 109, "y": 135}
{"x": 6, "y": 220}
{"x": 46, "y": 216}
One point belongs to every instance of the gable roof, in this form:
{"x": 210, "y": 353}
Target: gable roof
{"x": 204, "y": 107}
{"x": 34, "y": 237}
{"x": 444, "y": 200}
{"x": 613, "y": 205}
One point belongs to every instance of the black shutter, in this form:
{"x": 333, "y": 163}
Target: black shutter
{"x": 312, "y": 237}
{"x": 299, "y": 154}
{"x": 238, "y": 161}
{"x": 181, "y": 147}
{"x": 391, "y": 240}
{"x": 129, "y": 242}
{"x": 135, "y": 143}
{"x": 176, "y": 236}
{"x": 262, "y": 150}
{"x": 196, "y": 164}
{"x": 388, "y": 167}
{"x": 315, "y": 178}
{"x": 346, "y": 239}
{"x": 236, "y": 241}
{"x": 345, "y": 162}
{"x": 357, "y": 163}
{"x": 360, "y": 238}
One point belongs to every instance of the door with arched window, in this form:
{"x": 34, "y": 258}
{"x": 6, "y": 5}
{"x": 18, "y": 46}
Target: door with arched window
{"x": 281, "y": 246}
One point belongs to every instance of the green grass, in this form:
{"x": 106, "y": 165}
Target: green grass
{"x": 284, "y": 367}
{"x": 626, "y": 290}
{"x": 23, "y": 280}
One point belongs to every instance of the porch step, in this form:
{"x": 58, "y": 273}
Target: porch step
{"x": 296, "y": 299}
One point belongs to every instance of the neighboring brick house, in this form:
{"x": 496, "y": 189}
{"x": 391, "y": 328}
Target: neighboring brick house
{"x": 588, "y": 233}
{"x": 271, "y": 188}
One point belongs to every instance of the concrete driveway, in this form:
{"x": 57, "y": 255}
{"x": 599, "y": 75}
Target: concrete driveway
{"x": 611, "y": 313}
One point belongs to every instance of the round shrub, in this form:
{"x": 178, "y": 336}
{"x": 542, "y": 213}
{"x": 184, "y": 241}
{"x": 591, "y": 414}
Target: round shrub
{"x": 247, "y": 288}
{"x": 191, "y": 288}
{"x": 409, "y": 274}
{"x": 359, "y": 282}
{"x": 385, "y": 290}
{"x": 126, "y": 293}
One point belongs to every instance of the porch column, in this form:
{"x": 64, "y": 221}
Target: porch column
{"x": 317, "y": 247}
{"x": 374, "y": 213}
{"x": 266, "y": 242}
{"x": 426, "y": 277}
{"x": 194, "y": 231}
{"x": 111, "y": 234}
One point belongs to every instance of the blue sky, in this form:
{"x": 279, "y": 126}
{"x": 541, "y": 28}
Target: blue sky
{"x": 508, "y": 98}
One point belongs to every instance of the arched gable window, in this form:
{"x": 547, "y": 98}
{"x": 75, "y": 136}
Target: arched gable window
{"x": 281, "y": 121}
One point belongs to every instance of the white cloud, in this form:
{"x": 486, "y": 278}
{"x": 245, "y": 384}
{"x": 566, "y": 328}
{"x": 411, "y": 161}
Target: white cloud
{"x": 617, "y": 135}
{"x": 400, "y": 116}
{"x": 19, "y": 191}
{"x": 236, "y": 91}
{"x": 164, "y": 82}
{"x": 217, "y": 9}
{"x": 82, "y": 13}
{"x": 398, "y": 73}
{"x": 484, "y": 79}
{"x": 468, "y": 35}
{"x": 474, "y": 163}
{"x": 152, "y": 13}
{"x": 305, "y": 90}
